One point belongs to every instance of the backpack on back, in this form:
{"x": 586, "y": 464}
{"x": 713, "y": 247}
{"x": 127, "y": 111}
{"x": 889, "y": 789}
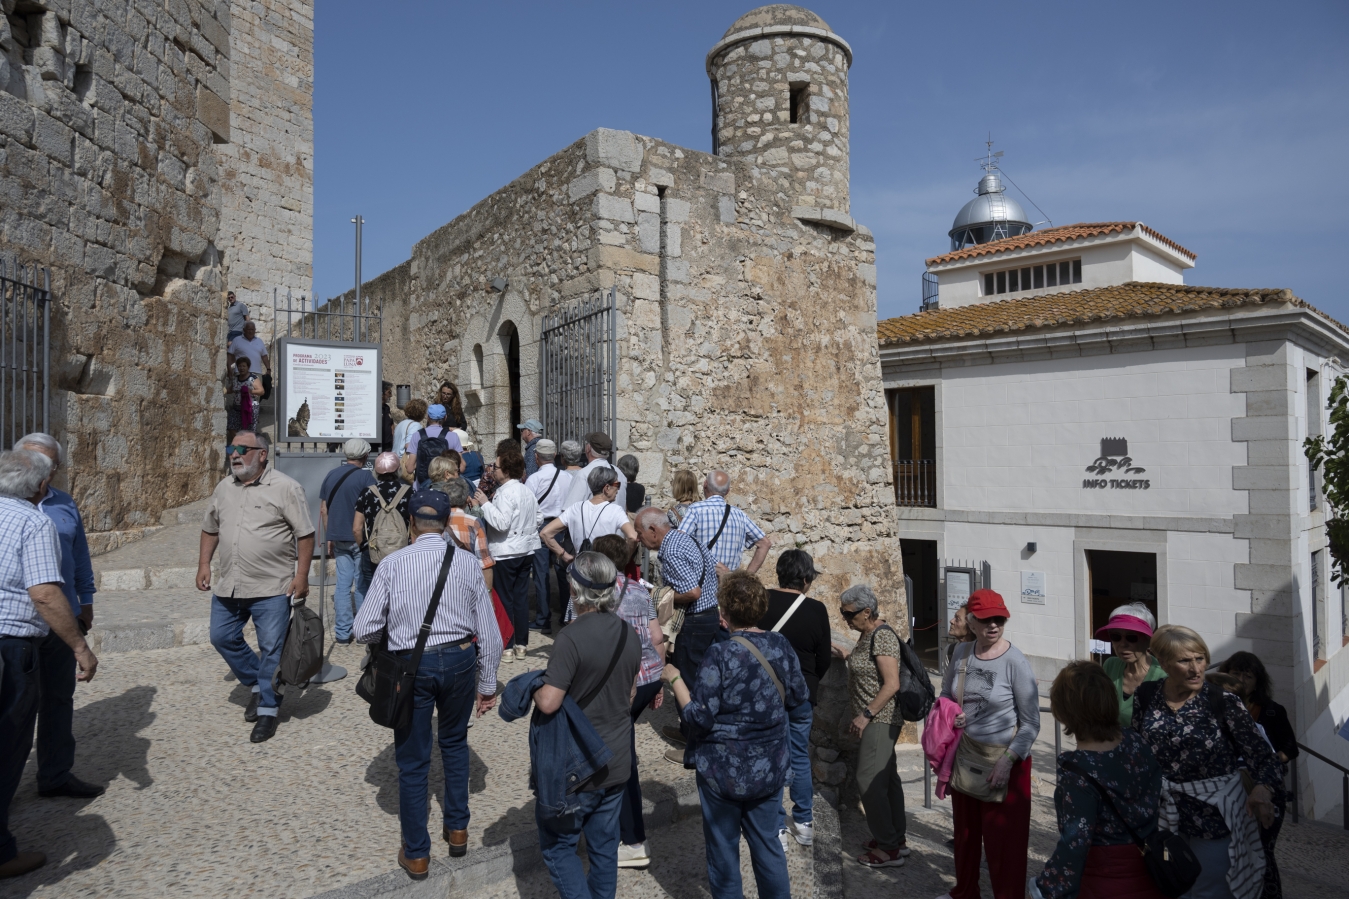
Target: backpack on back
{"x": 428, "y": 448}
{"x": 389, "y": 533}
{"x": 915, "y": 695}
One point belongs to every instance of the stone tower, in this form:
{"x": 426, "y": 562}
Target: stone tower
{"x": 780, "y": 98}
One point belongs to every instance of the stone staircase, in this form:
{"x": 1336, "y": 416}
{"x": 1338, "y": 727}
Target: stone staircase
{"x": 147, "y": 596}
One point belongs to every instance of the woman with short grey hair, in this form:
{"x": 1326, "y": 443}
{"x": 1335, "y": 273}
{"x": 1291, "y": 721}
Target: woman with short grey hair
{"x": 873, "y": 681}
{"x": 593, "y": 569}
{"x": 572, "y": 453}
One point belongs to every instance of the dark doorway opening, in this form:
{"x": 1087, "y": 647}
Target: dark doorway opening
{"x": 913, "y": 445}
{"x": 920, "y": 564}
{"x": 1118, "y": 578}
{"x": 510, "y": 337}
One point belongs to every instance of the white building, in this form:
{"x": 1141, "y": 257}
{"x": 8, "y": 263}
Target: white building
{"x": 1074, "y": 422}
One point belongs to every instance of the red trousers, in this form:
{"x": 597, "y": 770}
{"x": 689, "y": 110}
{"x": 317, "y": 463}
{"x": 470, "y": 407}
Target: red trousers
{"x": 1117, "y": 872}
{"x": 1001, "y": 830}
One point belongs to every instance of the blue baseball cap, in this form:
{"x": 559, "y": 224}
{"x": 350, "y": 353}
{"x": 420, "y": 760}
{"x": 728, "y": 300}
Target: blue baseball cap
{"x": 432, "y": 499}
{"x": 436, "y": 412}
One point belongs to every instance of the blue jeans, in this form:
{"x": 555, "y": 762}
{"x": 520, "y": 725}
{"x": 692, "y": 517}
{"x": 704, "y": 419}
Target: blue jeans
{"x": 723, "y": 821}
{"x": 446, "y": 684}
{"x": 1214, "y": 862}
{"x": 597, "y": 817}
{"x": 56, "y": 712}
{"x": 695, "y": 639}
{"x": 271, "y": 618}
{"x": 631, "y": 827}
{"x": 18, "y": 710}
{"x": 347, "y": 554}
{"x": 512, "y": 585}
{"x": 542, "y": 562}
{"x": 799, "y": 721}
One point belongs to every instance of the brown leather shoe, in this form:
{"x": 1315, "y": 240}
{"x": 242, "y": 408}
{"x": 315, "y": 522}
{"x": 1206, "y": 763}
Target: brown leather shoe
{"x": 458, "y": 840}
{"x": 416, "y": 867}
{"x": 22, "y": 864}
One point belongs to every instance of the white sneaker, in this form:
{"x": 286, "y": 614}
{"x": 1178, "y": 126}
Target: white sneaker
{"x": 519, "y": 653}
{"x": 634, "y": 856}
{"x": 804, "y": 833}
{"x": 785, "y": 839}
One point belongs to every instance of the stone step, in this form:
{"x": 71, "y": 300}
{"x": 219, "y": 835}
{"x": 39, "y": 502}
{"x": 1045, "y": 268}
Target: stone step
{"x": 169, "y": 578}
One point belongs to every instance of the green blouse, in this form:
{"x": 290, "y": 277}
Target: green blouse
{"x": 1114, "y": 667}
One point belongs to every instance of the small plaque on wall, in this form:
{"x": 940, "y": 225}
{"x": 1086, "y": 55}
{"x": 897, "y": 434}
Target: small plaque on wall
{"x": 1033, "y": 587}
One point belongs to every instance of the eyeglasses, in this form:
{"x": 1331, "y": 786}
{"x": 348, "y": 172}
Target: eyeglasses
{"x": 849, "y": 616}
{"x": 239, "y": 449}
{"x": 995, "y": 620}
{"x": 1125, "y": 637}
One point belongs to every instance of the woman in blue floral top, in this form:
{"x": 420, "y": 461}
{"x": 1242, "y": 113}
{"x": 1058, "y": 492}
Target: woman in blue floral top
{"x": 1201, "y": 737}
{"x": 1096, "y": 857}
{"x": 736, "y": 713}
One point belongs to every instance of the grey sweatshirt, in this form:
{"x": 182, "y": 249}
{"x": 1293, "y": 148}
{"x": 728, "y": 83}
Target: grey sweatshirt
{"x": 1002, "y": 704}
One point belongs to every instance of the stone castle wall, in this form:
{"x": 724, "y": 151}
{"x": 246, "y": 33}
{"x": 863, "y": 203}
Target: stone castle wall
{"x": 112, "y": 120}
{"x": 267, "y": 169}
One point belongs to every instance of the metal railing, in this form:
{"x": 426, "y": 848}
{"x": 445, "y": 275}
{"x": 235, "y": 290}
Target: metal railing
{"x": 929, "y": 292}
{"x": 25, "y": 350}
{"x": 1344, "y": 782}
{"x": 580, "y": 363}
{"x": 916, "y": 482}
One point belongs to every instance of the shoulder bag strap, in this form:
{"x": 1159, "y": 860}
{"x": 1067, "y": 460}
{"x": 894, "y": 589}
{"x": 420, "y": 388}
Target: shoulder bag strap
{"x": 392, "y": 504}
{"x": 352, "y": 469}
{"x": 782, "y": 692}
{"x": 593, "y": 523}
{"x": 717, "y": 536}
{"x": 777, "y": 628}
{"x": 556, "y": 472}
{"x": 964, "y": 666}
{"x": 613, "y": 663}
{"x": 1105, "y": 794}
{"x": 425, "y": 632}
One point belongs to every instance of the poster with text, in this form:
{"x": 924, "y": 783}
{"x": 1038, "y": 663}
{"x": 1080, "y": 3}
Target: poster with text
{"x": 332, "y": 392}
{"x": 959, "y": 583}
{"x": 1033, "y": 587}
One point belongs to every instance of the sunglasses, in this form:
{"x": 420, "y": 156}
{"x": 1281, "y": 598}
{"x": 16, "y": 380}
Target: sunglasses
{"x": 240, "y": 450}
{"x": 995, "y": 620}
{"x": 849, "y": 616}
{"x": 1125, "y": 637}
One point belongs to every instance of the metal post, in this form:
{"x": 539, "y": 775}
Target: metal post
{"x": 1344, "y": 799}
{"x": 358, "y": 322}
{"x": 1292, "y": 794}
{"x": 1058, "y": 738}
{"x": 46, "y": 347}
{"x": 927, "y": 785}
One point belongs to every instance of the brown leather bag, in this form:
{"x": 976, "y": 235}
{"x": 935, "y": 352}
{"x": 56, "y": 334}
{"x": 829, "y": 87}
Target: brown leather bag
{"x": 974, "y": 759}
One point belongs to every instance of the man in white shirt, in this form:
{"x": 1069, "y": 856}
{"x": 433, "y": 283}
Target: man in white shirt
{"x": 549, "y": 484}
{"x": 598, "y": 446}
{"x": 250, "y": 346}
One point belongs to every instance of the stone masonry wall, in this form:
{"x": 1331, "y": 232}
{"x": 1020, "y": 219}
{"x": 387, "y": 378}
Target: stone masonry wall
{"x": 267, "y": 169}
{"x": 114, "y": 116}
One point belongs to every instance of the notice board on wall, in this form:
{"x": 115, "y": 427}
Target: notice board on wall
{"x": 330, "y": 390}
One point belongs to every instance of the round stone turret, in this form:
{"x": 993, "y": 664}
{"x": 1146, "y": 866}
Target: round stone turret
{"x": 780, "y": 97}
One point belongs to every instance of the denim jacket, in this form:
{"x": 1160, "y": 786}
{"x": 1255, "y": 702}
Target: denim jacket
{"x": 564, "y": 749}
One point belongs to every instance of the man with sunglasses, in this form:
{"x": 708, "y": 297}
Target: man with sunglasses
{"x": 259, "y": 520}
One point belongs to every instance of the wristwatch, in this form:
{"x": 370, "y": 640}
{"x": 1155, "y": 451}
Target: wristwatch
{"x": 868, "y": 713}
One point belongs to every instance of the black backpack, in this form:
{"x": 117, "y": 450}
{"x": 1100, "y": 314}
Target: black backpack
{"x": 302, "y": 653}
{"x": 916, "y": 695}
{"x": 429, "y": 448}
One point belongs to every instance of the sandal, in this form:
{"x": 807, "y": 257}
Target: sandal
{"x": 873, "y": 845}
{"x": 879, "y": 858}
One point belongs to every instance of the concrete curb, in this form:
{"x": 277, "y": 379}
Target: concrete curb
{"x": 481, "y": 868}
{"x": 154, "y": 635}
{"x": 827, "y": 851}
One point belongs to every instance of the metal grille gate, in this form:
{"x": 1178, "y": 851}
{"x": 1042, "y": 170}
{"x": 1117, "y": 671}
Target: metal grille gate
{"x": 580, "y": 361}
{"x": 25, "y": 352}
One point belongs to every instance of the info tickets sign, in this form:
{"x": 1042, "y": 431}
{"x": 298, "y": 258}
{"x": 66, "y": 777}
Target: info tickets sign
{"x": 329, "y": 390}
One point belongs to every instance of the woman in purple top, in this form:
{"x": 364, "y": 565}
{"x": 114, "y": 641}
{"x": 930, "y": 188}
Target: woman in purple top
{"x": 736, "y": 715}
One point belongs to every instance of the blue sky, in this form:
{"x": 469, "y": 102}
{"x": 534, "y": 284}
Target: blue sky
{"x": 1223, "y": 125}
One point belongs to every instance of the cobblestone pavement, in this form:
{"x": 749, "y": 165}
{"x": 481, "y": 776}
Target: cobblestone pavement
{"x": 678, "y": 870}
{"x": 194, "y": 809}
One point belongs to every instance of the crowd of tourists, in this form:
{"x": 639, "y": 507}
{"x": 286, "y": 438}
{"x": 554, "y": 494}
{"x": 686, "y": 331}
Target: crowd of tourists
{"x": 438, "y": 552}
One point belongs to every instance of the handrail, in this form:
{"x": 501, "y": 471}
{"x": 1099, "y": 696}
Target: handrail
{"x": 1344, "y": 783}
{"x": 1331, "y": 762}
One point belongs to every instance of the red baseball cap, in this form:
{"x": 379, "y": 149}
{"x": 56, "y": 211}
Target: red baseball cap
{"x": 987, "y": 604}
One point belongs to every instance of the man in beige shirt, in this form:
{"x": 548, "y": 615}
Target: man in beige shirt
{"x": 259, "y": 519}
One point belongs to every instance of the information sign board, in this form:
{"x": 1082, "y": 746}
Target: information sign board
{"x": 330, "y": 390}
{"x": 1033, "y": 587}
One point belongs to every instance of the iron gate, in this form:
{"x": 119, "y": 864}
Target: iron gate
{"x": 25, "y": 354}
{"x": 580, "y": 361}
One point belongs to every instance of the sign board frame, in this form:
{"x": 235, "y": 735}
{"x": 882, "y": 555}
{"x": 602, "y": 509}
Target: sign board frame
{"x": 1033, "y": 588}
{"x": 285, "y": 410}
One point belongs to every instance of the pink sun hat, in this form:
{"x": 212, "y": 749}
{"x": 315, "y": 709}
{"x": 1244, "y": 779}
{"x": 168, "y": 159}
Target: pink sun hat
{"x": 1124, "y": 623}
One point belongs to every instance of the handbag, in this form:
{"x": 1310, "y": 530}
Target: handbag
{"x": 388, "y": 678}
{"x": 302, "y": 653}
{"x": 1167, "y": 856}
{"x": 975, "y": 759}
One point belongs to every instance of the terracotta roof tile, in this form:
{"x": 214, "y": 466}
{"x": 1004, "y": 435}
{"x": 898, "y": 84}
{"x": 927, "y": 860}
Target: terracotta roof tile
{"x": 1136, "y": 299}
{"x": 1049, "y": 236}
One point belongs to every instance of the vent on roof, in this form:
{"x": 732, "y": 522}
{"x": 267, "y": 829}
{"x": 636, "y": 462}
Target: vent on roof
{"x": 1033, "y": 277}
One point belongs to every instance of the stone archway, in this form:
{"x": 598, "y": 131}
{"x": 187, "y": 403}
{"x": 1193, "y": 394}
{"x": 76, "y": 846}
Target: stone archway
{"x": 498, "y": 361}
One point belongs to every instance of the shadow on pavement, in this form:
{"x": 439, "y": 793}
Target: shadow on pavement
{"x": 73, "y": 839}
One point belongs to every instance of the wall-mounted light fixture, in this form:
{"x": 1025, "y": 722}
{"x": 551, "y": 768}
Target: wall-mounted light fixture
{"x": 1031, "y": 547}
{"x": 499, "y": 285}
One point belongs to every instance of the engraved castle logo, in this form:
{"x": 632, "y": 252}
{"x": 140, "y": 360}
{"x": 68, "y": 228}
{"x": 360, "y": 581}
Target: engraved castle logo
{"x": 1114, "y": 459}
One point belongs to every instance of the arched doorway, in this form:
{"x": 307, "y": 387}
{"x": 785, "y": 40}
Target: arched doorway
{"x": 510, "y": 345}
